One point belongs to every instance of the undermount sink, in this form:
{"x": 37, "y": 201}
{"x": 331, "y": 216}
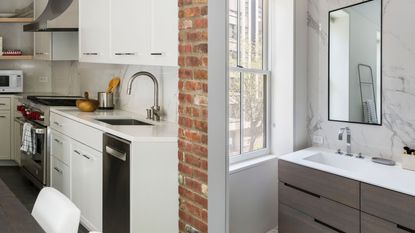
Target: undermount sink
{"x": 123, "y": 122}
{"x": 338, "y": 161}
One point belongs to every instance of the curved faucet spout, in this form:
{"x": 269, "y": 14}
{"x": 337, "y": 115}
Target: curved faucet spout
{"x": 155, "y": 110}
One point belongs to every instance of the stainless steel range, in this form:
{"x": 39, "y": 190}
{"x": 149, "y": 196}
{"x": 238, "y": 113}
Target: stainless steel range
{"x": 35, "y": 110}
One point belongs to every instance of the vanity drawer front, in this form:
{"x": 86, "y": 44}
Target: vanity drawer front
{"x": 332, "y": 213}
{"x": 371, "y": 224}
{"x": 293, "y": 221}
{"x": 390, "y": 205}
{"x": 337, "y": 188}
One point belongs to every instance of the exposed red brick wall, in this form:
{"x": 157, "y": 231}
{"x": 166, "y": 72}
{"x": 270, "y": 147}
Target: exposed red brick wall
{"x": 193, "y": 113}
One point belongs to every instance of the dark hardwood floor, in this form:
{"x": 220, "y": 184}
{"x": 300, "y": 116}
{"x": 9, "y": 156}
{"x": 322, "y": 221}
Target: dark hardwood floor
{"x": 25, "y": 191}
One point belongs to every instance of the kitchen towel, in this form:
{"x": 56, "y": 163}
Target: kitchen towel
{"x": 28, "y": 139}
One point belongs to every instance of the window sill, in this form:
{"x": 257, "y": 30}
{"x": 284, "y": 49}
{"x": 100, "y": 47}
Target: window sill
{"x": 250, "y": 163}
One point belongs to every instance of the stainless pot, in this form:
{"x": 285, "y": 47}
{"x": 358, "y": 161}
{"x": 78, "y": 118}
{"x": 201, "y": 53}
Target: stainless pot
{"x": 106, "y": 100}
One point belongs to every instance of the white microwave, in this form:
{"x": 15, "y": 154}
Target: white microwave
{"x": 11, "y": 81}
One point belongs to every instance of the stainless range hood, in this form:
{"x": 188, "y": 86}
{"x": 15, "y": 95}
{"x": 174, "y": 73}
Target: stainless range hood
{"x": 57, "y": 16}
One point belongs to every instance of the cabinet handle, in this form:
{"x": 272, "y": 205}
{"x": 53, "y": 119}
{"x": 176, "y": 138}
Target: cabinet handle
{"x": 57, "y": 141}
{"x": 157, "y": 54}
{"x": 90, "y": 54}
{"x": 125, "y": 54}
{"x": 405, "y": 228}
{"x": 57, "y": 124}
{"x": 2, "y": 104}
{"x": 302, "y": 190}
{"x": 42, "y": 53}
{"x": 2, "y": 116}
{"x": 77, "y": 152}
{"x": 328, "y": 226}
{"x": 58, "y": 170}
{"x": 87, "y": 157}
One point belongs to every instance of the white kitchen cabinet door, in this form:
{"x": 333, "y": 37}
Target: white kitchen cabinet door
{"x": 164, "y": 32}
{"x": 86, "y": 180}
{"x": 130, "y": 31}
{"x": 17, "y": 137}
{"x": 60, "y": 176}
{"x": 5, "y": 135}
{"x": 94, "y": 30}
{"x": 43, "y": 46}
{"x": 60, "y": 147}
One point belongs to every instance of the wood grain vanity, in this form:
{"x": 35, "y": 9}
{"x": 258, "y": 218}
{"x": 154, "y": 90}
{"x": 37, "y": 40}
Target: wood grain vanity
{"x": 314, "y": 201}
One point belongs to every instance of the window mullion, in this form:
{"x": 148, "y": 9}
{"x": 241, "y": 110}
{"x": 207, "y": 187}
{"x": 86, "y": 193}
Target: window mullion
{"x": 242, "y": 113}
{"x": 238, "y": 34}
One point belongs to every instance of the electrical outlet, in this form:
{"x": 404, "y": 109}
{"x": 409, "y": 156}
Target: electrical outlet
{"x": 317, "y": 139}
{"x": 190, "y": 229}
{"x": 43, "y": 79}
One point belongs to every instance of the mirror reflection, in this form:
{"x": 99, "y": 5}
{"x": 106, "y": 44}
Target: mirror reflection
{"x": 355, "y": 63}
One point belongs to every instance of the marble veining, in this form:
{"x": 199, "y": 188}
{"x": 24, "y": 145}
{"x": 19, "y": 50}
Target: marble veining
{"x": 398, "y": 114}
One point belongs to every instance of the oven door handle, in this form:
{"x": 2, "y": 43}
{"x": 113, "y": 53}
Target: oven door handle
{"x": 36, "y": 130}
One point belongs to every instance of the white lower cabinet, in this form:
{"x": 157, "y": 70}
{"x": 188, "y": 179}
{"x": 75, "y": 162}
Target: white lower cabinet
{"x": 76, "y": 171}
{"x": 60, "y": 177}
{"x": 86, "y": 180}
{"x": 5, "y": 136}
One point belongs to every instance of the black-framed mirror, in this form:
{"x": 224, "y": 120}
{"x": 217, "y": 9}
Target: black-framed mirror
{"x": 355, "y": 63}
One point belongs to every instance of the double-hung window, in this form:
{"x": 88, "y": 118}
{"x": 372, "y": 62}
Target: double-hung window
{"x": 248, "y": 79}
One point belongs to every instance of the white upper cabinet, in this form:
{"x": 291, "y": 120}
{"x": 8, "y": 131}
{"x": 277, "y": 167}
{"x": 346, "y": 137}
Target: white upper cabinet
{"x": 140, "y": 32}
{"x": 164, "y": 32}
{"x": 130, "y": 28}
{"x": 94, "y": 31}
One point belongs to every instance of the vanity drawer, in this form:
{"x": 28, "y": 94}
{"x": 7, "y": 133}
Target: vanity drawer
{"x": 334, "y": 214}
{"x": 371, "y": 224}
{"x": 390, "y": 205}
{"x": 337, "y": 188}
{"x": 4, "y": 103}
{"x": 293, "y": 221}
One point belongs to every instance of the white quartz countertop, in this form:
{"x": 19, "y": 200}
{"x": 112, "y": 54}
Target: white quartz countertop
{"x": 158, "y": 132}
{"x": 24, "y": 94}
{"x": 389, "y": 177}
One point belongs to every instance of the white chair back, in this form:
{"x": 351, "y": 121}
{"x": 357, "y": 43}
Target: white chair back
{"x": 55, "y": 213}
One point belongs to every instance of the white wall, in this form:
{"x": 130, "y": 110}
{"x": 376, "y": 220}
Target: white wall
{"x": 253, "y": 198}
{"x": 300, "y": 75}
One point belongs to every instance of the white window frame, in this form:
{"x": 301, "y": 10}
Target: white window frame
{"x": 233, "y": 159}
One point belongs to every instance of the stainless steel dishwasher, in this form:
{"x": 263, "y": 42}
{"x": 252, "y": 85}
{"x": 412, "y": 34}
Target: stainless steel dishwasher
{"x": 116, "y": 185}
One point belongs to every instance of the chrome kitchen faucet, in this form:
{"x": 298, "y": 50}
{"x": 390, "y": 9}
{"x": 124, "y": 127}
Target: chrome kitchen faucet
{"x": 154, "y": 112}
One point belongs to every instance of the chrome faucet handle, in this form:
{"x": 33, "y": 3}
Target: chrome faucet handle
{"x": 156, "y": 113}
{"x": 150, "y": 114}
{"x": 360, "y": 156}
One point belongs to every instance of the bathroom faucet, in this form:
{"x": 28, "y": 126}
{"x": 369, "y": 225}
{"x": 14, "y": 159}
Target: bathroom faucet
{"x": 154, "y": 112}
{"x": 348, "y": 140}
